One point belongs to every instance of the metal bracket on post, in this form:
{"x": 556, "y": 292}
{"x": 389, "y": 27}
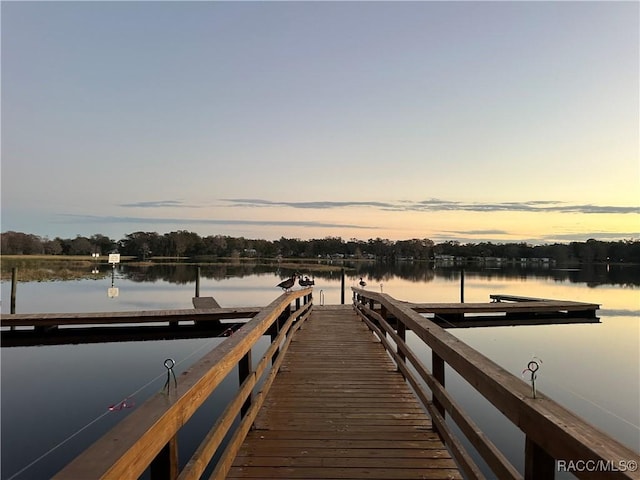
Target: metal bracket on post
{"x": 532, "y": 367}
{"x": 169, "y": 363}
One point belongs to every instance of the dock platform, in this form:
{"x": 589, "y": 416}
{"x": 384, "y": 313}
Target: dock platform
{"x": 339, "y": 408}
{"x": 339, "y": 393}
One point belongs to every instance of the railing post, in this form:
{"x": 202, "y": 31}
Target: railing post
{"x": 197, "y": 281}
{"x": 342, "y": 286}
{"x": 538, "y": 464}
{"x": 284, "y": 316}
{"x": 437, "y": 365}
{"x": 401, "y": 330}
{"x": 245, "y": 368}
{"x": 275, "y": 329}
{"x": 165, "y": 465}
{"x": 371, "y": 306}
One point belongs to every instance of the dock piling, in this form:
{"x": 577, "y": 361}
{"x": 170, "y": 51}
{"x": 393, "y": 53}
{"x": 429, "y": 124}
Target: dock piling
{"x": 14, "y": 286}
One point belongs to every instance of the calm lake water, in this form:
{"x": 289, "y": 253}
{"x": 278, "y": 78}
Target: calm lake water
{"x": 55, "y": 399}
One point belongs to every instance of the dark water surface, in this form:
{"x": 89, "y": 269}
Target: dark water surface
{"x": 55, "y": 399}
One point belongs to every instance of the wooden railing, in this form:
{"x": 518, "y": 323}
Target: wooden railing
{"x": 551, "y": 431}
{"x": 147, "y": 438}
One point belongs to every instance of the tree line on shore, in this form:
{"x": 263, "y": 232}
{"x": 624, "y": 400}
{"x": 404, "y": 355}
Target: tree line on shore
{"x": 182, "y": 243}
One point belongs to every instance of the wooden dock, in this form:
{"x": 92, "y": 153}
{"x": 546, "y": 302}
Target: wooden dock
{"x": 339, "y": 408}
{"x": 339, "y": 393}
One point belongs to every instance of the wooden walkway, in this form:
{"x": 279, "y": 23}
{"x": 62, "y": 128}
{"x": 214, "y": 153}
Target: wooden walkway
{"x": 338, "y": 409}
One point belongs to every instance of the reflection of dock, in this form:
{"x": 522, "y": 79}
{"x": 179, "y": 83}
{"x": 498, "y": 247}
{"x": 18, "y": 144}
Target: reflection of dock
{"x": 340, "y": 393}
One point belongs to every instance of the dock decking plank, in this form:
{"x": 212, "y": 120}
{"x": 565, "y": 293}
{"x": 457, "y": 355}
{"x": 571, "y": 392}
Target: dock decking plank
{"x": 338, "y": 409}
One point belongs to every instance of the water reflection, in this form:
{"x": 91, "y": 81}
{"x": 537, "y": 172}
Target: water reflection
{"x": 593, "y": 369}
{"x": 591, "y": 275}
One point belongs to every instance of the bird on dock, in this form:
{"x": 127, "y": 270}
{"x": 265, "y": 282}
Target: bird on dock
{"x": 306, "y": 281}
{"x": 362, "y": 283}
{"x": 288, "y": 283}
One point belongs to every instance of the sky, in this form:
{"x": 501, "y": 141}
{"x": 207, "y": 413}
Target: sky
{"x": 465, "y": 121}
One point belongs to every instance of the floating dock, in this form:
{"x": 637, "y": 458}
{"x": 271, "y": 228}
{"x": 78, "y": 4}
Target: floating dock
{"x": 208, "y": 319}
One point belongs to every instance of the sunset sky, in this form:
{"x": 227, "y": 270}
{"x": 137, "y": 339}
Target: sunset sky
{"x": 468, "y": 121}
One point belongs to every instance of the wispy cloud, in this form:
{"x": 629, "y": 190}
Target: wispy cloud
{"x": 476, "y": 236}
{"x": 478, "y": 232}
{"x": 438, "y": 205}
{"x": 430, "y": 205}
{"x": 254, "y": 202}
{"x": 156, "y": 204}
{"x": 582, "y": 237}
{"x": 71, "y": 218}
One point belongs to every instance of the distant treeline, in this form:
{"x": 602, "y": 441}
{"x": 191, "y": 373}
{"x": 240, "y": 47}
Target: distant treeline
{"x": 145, "y": 245}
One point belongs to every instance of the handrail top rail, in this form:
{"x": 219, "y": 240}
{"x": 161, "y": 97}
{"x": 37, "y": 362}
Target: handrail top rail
{"x": 559, "y": 431}
{"x": 158, "y": 419}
